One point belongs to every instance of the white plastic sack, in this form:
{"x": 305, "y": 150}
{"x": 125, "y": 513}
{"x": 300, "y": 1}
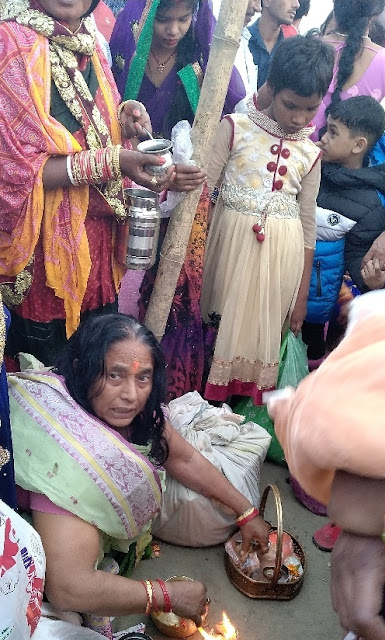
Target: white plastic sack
{"x": 22, "y": 570}
{"x": 182, "y": 151}
{"x": 331, "y": 225}
{"x": 238, "y": 450}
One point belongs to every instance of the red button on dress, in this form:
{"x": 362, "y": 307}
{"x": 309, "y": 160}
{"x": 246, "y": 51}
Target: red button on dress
{"x": 282, "y": 170}
{"x": 285, "y": 153}
{"x": 278, "y": 185}
{"x": 274, "y": 149}
{"x": 272, "y": 166}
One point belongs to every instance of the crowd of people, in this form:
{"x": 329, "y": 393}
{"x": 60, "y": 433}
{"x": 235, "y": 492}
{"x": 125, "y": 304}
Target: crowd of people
{"x": 85, "y": 435}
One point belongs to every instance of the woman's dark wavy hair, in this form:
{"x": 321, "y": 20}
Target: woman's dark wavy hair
{"x": 180, "y": 108}
{"x": 324, "y": 26}
{"x": 353, "y": 19}
{"x": 303, "y": 64}
{"x": 82, "y": 363}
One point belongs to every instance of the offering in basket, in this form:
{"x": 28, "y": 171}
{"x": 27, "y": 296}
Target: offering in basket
{"x": 276, "y": 575}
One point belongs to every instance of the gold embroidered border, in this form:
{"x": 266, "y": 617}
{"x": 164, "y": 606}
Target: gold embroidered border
{"x": 13, "y": 293}
{"x": 222, "y": 372}
{"x": 5, "y": 457}
{"x": 273, "y": 127}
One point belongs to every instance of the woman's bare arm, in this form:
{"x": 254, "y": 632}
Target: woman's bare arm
{"x": 73, "y": 583}
{"x": 193, "y": 470}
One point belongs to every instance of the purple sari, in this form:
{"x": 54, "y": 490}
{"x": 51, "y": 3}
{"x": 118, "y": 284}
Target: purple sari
{"x": 161, "y": 101}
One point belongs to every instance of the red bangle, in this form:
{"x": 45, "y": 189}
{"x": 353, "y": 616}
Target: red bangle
{"x": 166, "y": 597}
{"x": 245, "y": 518}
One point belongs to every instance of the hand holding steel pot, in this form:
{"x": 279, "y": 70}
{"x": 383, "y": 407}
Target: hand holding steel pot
{"x": 134, "y": 165}
{"x": 160, "y": 148}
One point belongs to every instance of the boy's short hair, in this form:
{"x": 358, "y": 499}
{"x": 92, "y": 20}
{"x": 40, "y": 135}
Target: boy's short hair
{"x": 362, "y": 115}
{"x": 303, "y": 9}
{"x": 303, "y": 64}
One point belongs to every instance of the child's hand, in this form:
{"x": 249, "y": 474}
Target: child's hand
{"x": 188, "y": 177}
{"x": 372, "y": 275}
{"x": 298, "y": 315}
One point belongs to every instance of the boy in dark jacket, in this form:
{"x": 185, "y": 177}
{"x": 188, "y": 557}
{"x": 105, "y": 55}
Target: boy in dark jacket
{"x": 352, "y": 189}
{"x": 357, "y": 193}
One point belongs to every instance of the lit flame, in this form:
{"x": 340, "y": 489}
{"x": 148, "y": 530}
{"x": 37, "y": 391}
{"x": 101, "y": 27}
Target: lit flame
{"x": 225, "y": 629}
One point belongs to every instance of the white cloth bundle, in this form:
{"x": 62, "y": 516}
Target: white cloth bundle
{"x": 236, "y": 449}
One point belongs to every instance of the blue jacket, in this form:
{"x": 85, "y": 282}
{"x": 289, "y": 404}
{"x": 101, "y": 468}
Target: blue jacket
{"x": 326, "y": 279}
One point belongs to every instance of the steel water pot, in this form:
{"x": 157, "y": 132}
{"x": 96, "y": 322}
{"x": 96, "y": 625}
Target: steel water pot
{"x": 159, "y": 147}
{"x": 143, "y": 223}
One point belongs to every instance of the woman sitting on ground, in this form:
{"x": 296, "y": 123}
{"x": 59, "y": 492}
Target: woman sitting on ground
{"x": 77, "y": 437}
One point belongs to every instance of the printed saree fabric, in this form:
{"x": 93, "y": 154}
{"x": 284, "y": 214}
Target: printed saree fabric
{"x": 76, "y": 461}
{"x": 37, "y": 50}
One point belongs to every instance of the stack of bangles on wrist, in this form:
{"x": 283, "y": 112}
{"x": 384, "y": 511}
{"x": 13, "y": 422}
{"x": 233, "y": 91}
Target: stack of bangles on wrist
{"x": 152, "y": 604}
{"x": 244, "y": 518}
{"x": 94, "y": 166}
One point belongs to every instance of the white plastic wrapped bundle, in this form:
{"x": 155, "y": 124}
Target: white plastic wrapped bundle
{"x": 238, "y": 450}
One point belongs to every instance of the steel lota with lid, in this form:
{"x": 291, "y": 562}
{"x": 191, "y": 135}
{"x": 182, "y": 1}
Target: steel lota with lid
{"x": 144, "y": 222}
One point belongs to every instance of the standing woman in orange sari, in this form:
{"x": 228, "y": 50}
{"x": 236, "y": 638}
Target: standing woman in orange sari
{"x": 64, "y": 162}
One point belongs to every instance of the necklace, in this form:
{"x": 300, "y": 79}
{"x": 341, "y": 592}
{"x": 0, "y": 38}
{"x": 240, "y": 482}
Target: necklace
{"x": 161, "y": 65}
{"x": 345, "y": 35}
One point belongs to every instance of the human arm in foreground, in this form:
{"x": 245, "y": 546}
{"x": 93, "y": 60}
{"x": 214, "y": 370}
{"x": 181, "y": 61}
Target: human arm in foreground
{"x": 191, "y": 469}
{"x": 73, "y": 583}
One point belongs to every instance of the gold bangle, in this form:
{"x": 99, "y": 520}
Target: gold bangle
{"x": 115, "y": 162}
{"x": 121, "y": 107}
{"x": 76, "y": 168}
{"x": 95, "y": 173}
{"x": 246, "y": 514}
{"x": 150, "y": 596}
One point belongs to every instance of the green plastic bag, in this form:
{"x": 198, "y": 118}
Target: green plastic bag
{"x": 293, "y": 365}
{"x": 292, "y": 369}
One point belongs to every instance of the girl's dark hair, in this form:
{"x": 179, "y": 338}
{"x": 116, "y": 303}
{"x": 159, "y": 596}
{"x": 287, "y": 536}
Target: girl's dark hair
{"x": 303, "y": 64}
{"x": 377, "y": 33}
{"x": 186, "y": 48}
{"x": 353, "y": 19}
{"x": 82, "y": 363}
{"x": 324, "y": 26}
{"x": 187, "y": 53}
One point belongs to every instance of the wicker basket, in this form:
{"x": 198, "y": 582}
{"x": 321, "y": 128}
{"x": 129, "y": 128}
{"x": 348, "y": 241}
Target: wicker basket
{"x": 269, "y": 590}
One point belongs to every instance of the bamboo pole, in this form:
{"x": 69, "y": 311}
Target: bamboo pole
{"x": 223, "y": 50}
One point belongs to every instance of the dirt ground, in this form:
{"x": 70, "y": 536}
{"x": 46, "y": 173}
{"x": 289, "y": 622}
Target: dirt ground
{"x": 308, "y": 617}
